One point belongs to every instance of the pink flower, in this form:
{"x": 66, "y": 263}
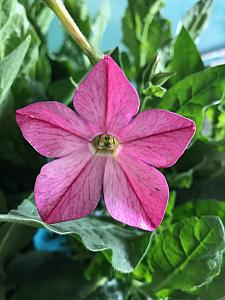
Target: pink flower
{"x": 105, "y": 146}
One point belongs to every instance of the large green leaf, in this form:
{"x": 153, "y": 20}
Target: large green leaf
{"x": 126, "y": 245}
{"x": 197, "y": 17}
{"x": 10, "y": 67}
{"x": 14, "y": 28}
{"x": 187, "y": 254}
{"x": 185, "y": 54}
{"x": 192, "y": 94}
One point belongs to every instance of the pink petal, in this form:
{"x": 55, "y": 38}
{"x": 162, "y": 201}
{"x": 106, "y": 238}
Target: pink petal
{"x": 106, "y": 98}
{"x": 52, "y": 128}
{"x": 157, "y": 137}
{"x": 69, "y": 188}
{"x": 135, "y": 193}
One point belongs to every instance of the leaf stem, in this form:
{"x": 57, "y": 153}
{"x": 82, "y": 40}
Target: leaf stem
{"x": 60, "y": 10}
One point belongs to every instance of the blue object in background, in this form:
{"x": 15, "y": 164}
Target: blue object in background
{"x": 45, "y": 240}
{"x": 211, "y": 39}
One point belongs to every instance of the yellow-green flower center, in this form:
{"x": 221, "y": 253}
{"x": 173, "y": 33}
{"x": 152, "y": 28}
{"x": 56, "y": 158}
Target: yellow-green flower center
{"x": 105, "y": 144}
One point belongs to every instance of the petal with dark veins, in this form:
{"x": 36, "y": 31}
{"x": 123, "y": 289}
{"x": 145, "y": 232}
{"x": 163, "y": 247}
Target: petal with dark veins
{"x": 69, "y": 188}
{"x": 135, "y": 193}
{"x": 157, "y": 137}
{"x": 106, "y": 98}
{"x": 52, "y": 128}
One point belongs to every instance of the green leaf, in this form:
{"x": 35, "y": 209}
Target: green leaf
{"x": 186, "y": 59}
{"x": 187, "y": 254}
{"x": 144, "y": 32}
{"x": 180, "y": 180}
{"x": 191, "y": 95}
{"x": 154, "y": 90}
{"x": 10, "y": 67}
{"x": 39, "y": 14}
{"x": 196, "y": 18}
{"x": 127, "y": 246}
{"x": 16, "y": 28}
{"x": 200, "y": 208}
{"x": 13, "y": 237}
{"x": 216, "y": 288}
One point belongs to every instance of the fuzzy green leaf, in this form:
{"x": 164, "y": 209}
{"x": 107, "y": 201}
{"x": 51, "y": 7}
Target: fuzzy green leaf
{"x": 127, "y": 246}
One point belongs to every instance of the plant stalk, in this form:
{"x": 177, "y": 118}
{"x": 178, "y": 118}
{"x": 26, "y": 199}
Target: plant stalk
{"x": 60, "y": 10}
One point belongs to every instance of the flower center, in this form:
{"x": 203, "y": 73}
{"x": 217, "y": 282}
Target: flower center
{"x": 105, "y": 144}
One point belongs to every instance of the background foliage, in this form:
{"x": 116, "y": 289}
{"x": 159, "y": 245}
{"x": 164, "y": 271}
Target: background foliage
{"x": 96, "y": 257}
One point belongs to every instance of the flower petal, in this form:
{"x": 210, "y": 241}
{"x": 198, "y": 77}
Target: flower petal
{"x": 135, "y": 193}
{"x": 157, "y": 137}
{"x": 69, "y": 188}
{"x": 52, "y": 128}
{"x": 106, "y": 98}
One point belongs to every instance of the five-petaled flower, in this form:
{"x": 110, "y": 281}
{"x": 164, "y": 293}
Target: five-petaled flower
{"x": 104, "y": 146}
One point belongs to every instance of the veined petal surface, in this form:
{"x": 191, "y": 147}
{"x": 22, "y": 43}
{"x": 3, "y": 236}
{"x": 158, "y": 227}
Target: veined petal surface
{"x": 69, "y": 188}
{"x": 52, "y": 128}
{"x": 157, "y": 137}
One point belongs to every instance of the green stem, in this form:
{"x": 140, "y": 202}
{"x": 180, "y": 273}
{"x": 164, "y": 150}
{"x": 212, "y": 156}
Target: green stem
{"x": 59, "y": 9}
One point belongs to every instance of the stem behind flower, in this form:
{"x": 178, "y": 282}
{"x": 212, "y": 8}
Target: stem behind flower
{"x": 58, "y": 7}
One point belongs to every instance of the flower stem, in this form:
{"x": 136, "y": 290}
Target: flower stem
{"x": 59, "y": 9}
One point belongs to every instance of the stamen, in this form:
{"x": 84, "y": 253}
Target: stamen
{"x": 105, "y": 144}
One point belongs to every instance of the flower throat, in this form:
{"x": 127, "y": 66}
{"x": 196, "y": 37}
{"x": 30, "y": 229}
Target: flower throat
{"x": 105, "y": 144}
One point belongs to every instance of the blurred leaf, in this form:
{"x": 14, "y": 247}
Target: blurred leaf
{"x": 200, "y": 208}
{"x": 186, "y": 59}
{"x": 3, "y": 205}
{"x": 10, "y": 67}
{"x": 39, "y": 276}
{"x": 208, "y": 164}
{"x": 15, "y": 30}
{"x": 180, "y": 180}
{"x": 127, "y": 246}
{"x": 99, "y": 25}
{"x": 191, "y": 95}
{"x": 13, "y": 237}
{"x": 187, "y": 254}
{"x": 111, "y": 290}
{"x": 39, "y": 14}
{"x": 162, "y": 77}
{"x": 144, "y": 31}
{"x": 196, "y": 18}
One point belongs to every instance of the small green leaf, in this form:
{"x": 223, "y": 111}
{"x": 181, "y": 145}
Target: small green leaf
{"x": 186, "y": 59}
{"x": 154, "y": 90}
{"x": 162, "y": 77}
{"x": 196, "y": 18}
{"x": 10, "y": 66}
{"x": 127, "y": 246}
{"x": 187, "y": 254}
